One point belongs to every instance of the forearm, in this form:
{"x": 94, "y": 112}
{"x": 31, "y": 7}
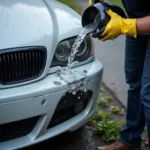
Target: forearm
{"x": 143, "y": 26}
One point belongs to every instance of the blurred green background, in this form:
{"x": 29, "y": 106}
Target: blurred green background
{"x": 73, "y": 5}
{"x": 117, "y": 2}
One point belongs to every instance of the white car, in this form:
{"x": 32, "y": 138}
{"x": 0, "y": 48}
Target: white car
{"x": 35, "y": 42}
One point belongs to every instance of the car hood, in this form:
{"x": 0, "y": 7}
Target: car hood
{"x": 36, "y": 22}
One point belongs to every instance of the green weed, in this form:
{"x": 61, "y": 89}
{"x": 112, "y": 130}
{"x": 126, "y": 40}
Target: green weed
{"x": 117, "y": 110}
{"x": 109, "y": 129}
{"x": 101, "y": 90}
{"x": 103, "y": 101}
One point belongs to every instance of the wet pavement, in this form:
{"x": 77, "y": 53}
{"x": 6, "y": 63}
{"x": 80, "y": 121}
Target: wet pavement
{"x": 81, "y": 139}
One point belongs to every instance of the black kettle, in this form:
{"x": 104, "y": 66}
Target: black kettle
{"x": 97, "y": 13}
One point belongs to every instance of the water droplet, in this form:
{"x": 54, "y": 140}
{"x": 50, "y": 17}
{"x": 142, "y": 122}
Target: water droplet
{"x": 58, "y": 72}
{"x": 57, "y": 83}
{"x": 85, "y": 71}
{"x": 43, "y": 102}
{"x": 74, "y": 92}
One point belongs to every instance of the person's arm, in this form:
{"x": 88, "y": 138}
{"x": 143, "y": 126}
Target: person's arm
{"x": 143, "y": 26}
{"x": 118, "y": 25}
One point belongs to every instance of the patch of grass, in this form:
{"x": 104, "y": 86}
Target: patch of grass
{"x": 107, "y": 128}
{"x": 103, "y": 101}
{"x": 101, "y": 90}
{"x": 117, "y": 110}
{"x": 71, "y": 4}
{"x": 106, "y": 120}
{"x": 103, "y": 122}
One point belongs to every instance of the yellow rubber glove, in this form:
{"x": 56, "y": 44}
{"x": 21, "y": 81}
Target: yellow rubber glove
{"x": 94, "y": 1}
{"x": 90, "y": 2}
{"x": 117, "y": 26}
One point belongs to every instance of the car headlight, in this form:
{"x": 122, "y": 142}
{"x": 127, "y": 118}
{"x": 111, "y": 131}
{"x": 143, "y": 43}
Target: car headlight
{"x": 63, "y": 51}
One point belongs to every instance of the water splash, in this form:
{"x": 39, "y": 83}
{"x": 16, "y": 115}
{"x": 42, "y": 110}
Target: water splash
{"x": 87, "y": 29}
{"x": 76, "y": 79}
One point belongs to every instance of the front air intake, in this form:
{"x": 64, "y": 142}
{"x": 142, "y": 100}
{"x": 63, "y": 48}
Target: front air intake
{"x": 21, "y": 64}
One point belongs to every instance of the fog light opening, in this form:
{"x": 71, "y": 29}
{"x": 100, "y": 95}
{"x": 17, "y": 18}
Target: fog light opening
{"x": 79, "y": 107}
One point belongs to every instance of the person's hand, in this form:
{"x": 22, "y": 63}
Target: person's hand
{"x": 116, "y": 26}
{"x": 94, "y": 1}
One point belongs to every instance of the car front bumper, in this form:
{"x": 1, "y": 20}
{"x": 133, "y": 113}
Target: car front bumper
{"x": 39, "y": 100}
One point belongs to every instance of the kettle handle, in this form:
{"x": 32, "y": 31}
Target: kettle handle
{"x": 116, "y": 9}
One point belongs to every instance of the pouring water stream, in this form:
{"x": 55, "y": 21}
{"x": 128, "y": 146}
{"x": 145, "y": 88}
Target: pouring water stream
{"x": 76, "y": 79}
